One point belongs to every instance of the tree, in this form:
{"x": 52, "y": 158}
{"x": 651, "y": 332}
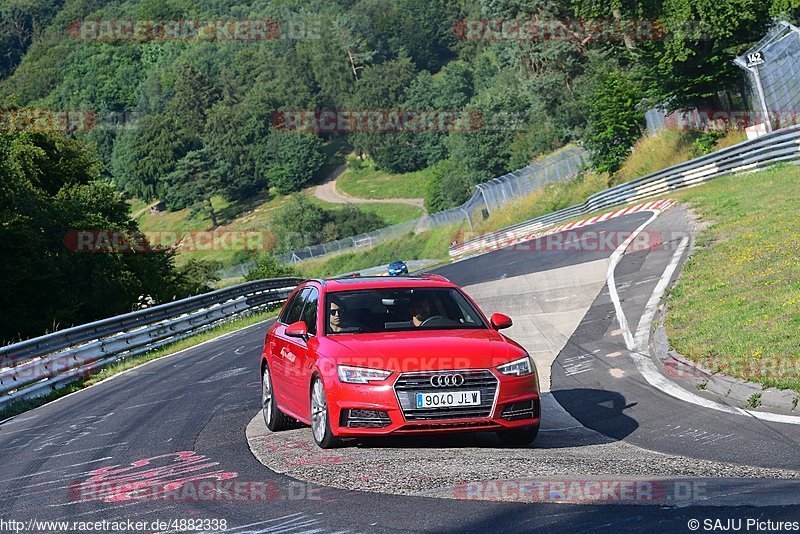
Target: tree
{"x": 448, "y": 187}
{"x": 194, "y": 94}
{"x": 298, "y": 223}
{"x": 20, "y": 21}
{"x": 484, "y": 150}
{"x": 688, "y": 60}
{"x": 236, "y": 135}
{"x": 614, "y": 121}
{"x": 328, "y": 61}
{"x": 448, "y": 92}
{"x": 50, "y": 188}
{"x": 292, "y": 159}
{"x": 195, "y": 180}
{"x": 418, "y": 29}
{"x": 144, "y": 155}
{"x": 197, "y": 276}
{"x": 381, "y": 88}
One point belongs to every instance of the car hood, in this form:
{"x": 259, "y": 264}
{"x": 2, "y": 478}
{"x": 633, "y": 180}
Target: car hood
{"x": 409, "y": 351}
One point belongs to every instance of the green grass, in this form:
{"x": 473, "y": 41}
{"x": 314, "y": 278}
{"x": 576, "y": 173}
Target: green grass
{"x": 391, "y": 213}
{"x": 754, "y": 400}
{"x": 363, "y": 180}
{"x": 137, "y": 205}
{"x": 552, "y": 198}
{"x": 254, "y": 215}
{"x": 19, "y": 407}
{"x": 667, "y": 148}
{"x": 736, "y": 308}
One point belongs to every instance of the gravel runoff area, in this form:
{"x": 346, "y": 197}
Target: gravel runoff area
{"x": 438, "y": 466}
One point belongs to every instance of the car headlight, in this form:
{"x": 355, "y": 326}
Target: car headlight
{"x": 361, "y": 375}
{"x": 521, "y": 367}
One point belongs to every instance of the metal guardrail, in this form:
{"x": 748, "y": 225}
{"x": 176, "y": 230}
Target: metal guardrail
{"x": 777, "y": 147}
{"x": 37, "y": 366}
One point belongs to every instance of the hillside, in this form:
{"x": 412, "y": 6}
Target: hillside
{"x": 231, "y": 112}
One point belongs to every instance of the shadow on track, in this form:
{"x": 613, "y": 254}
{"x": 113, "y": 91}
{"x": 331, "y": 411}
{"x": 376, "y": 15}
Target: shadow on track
{"x": 599, "y": 410}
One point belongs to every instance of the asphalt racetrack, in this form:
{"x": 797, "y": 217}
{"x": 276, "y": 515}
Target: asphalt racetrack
{"x": 615, "y": 452}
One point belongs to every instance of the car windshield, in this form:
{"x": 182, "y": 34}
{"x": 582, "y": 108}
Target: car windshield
{"x": 387, "y": 310}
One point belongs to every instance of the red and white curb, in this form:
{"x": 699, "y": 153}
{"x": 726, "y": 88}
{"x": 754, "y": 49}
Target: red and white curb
{"x": 507, "y": 238}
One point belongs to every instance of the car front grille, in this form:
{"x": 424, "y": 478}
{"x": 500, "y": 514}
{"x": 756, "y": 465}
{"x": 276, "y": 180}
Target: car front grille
{"x": 409, "y": 384}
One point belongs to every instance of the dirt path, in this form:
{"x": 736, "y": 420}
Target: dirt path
{"x": 141, "y": 211}
{"x": 328, "y": 192}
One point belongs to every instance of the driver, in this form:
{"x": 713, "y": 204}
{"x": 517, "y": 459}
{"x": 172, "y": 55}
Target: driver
{"x": 420, "y": 310}
{"x": 335, "y": 312}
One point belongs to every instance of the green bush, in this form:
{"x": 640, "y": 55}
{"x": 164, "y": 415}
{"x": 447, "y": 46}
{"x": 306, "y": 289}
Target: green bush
{"x": 706, "y": 143}
{"x": 268, "y": 267}
{"x": 449, "y": 186}
{"x": 301, "y": 223}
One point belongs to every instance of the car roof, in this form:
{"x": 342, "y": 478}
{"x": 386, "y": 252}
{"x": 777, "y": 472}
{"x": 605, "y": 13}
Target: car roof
{"x": 383, "y": 282}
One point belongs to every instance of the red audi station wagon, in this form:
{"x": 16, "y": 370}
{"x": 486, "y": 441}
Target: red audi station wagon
{"x": 375, "y": 356}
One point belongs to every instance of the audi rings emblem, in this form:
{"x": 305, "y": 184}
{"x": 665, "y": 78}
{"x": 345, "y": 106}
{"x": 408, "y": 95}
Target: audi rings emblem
{"x": 442, "y": 381}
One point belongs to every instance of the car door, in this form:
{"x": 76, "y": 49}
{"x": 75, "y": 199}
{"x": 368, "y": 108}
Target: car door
{"x": 307, "y": 356}
{"x": 292, "y": 355}
{"x": 280, "y": 351}
{"x": 297, "y": 365}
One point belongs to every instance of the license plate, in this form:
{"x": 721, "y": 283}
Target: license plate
{"x": 447, "y": 399}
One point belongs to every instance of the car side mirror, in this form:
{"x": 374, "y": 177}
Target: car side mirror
{"x": 500, "y": 321}
{"x": 298, "y": 329}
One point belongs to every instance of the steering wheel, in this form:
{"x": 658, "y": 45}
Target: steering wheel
{"x": 434, "y": 318}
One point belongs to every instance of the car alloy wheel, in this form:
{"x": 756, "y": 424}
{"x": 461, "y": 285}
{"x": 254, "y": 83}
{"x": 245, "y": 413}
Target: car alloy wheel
{"x": 274, "y": 418}
{"x": 266, "y": 397}
{"x": 320, "y": 421}
{"x": 319, "y": 411}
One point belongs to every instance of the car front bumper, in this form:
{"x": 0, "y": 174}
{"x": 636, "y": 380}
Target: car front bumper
{"x": 376, "y": 409}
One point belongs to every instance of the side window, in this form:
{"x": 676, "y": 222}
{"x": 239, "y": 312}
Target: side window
{"x": 291, "y": 313}
{"x": 311, "y": 298}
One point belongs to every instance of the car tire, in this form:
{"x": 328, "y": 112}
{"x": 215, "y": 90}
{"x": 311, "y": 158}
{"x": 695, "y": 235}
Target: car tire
{"x": 320, "y": 417}
{"x": 519, "y": 437}
{"x": 275, "y": 419}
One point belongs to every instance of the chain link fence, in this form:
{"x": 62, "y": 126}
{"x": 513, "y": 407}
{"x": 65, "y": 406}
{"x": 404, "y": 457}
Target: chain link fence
{"x": 487, "y": 197}
{"x": 772, "y": 70}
